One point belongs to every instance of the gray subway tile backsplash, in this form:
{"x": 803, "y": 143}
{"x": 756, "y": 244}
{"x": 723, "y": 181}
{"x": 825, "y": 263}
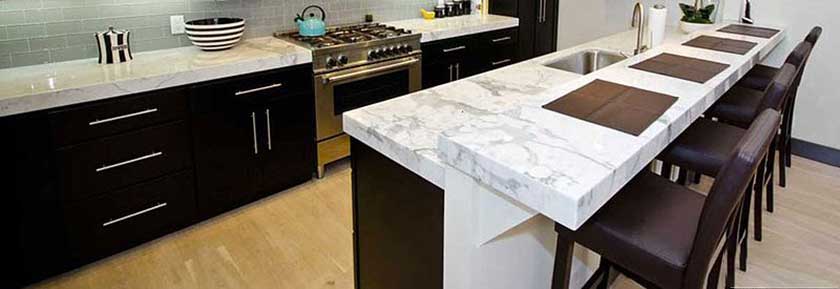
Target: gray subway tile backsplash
{"x": 39, "y": 31}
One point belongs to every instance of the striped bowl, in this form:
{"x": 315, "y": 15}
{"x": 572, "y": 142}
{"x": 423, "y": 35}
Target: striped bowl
{"x": 215, "y": 33}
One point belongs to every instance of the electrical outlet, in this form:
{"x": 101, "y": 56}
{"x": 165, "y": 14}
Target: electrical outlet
{"x": 176, "y": 23}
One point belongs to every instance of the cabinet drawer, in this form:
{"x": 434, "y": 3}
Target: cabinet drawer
{"x": 500, "y": 38}
{"x": 113, "y": 162}
{"x": 443, "y": 50}
{"x": 77, "y": 124}
{"x": 259, "y": 87}
{"x": 116, "y": 221}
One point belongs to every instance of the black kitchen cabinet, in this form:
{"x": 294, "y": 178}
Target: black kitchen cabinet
{"x": 94, "y": 179}
{"x": 33, "y": 238}
{"x": 456, "y": 58}
{"x": 253, "y": 136}
{"x": 537, "y": 24}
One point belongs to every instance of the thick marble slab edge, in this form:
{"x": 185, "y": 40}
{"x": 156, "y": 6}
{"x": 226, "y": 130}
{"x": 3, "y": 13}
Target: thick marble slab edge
{"x": 566, "y": 168}
{"x": 33, "y": 88}
{"x": 443, "y": 28}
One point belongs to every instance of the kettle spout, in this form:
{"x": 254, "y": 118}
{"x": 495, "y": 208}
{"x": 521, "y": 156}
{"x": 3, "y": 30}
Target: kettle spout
{"x": 298, "y": 19}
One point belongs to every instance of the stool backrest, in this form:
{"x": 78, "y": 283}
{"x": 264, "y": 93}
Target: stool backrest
{"x": 814, "y": 35}
{"x": 775, "y": 95}
{"x": 727, "y": 192}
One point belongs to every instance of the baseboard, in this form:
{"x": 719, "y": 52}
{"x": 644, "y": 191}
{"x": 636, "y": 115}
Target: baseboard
{"x": 816, "y": 152}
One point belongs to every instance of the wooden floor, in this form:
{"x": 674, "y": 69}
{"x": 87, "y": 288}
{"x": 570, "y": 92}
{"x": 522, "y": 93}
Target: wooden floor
{"x": 302, "y": 239}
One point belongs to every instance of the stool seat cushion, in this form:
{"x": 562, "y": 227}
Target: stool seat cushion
{"x": 738, "y": 106}
{"x": 647, "y": 228}
{"x": 704, "y": 147}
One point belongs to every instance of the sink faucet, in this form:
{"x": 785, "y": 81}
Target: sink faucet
{"x": 639, "y": 13}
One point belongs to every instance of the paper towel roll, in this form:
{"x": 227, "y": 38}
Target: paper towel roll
{"x": 656, "y": 24}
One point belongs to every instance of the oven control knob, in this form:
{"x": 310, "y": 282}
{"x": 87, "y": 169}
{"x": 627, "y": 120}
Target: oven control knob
{"x": 342, "y": 59}
{"x": 390, "y": 51}
{"x": 407, "y": 48}
{"x": 331, "y": 62}
{"x": 372, "y": 54}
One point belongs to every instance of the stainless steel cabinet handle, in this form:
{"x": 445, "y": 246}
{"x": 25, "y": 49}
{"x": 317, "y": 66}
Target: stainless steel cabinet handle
{"x": 450, "y": 72}
{"x": 101, "y": 121}
{"x": 457, "y": 70}
{"x": 503, "y": 61}
{"x": 501, "y": 39}
{"x": 447, "y": 50}
{"x": 254, "y": 126}
{"x": 134, "y": 160}
{"x": 268, "y": 125}
{"x": 132, "y": 215}
{"x": 276, "y": 85}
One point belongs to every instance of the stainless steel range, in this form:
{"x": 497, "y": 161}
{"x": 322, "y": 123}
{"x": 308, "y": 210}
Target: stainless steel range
{"x": 354, "y": 66}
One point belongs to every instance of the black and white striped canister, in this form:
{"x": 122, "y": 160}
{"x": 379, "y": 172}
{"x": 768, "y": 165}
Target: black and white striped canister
{"x": 114, "y": 46}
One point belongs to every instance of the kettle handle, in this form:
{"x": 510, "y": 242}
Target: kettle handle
{"x": 323, "y": 13}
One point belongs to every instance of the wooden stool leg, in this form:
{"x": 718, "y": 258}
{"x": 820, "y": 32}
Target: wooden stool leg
{"x": 731, "y": 248}
{"x": 682, "y": 178}
{"x": 666, "y": 170}
{"x": 759, "y": 192}
{"x": 743, "y": 229}
{"x": 562, "y": 263}
{"x": 714, "y": 274}
{"x": 697, "y": 177}
{"x": 771, "y": 169}
{"x": 605, "y": 274}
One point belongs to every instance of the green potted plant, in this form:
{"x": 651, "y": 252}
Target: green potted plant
{"x": 697, "y": 16}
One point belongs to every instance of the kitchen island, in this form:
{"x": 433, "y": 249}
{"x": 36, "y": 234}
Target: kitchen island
{"x": 459, "y": 186}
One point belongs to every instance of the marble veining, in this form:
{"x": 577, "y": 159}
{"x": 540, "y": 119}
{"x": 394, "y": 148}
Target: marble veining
{"x": 567, "y": 168}
{"x": 32, "y": 88}
{"x": 492, "y": 127}
{"x": 443, "y": 28}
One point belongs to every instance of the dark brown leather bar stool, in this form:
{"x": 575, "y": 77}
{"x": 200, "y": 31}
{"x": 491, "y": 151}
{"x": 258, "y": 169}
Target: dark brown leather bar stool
{"x": 664, "y": 235}
{"x": 704, "y": 146}
{"x": 759, "y": 78}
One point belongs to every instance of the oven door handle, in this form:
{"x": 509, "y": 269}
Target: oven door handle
{"x": 380, "y": 69}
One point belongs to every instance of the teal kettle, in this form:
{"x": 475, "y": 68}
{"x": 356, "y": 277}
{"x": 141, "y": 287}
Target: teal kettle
{"x": 311, "y": 26}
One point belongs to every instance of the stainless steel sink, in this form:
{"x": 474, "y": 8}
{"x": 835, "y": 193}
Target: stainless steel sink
{"x": 587, "y": 61}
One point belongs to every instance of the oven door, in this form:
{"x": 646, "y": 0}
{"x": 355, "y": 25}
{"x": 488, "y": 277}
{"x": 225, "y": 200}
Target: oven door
{"x": 341, "y": 91}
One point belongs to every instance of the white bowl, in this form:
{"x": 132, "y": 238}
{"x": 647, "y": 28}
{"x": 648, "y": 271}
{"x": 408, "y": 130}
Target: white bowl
{"x": 215, "y": 33}
{"x": 689, "y": 28}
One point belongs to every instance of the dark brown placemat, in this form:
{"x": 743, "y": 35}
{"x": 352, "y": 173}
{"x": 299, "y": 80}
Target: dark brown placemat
{"x": 687, "y": 68}
{"x": 749, "y": 30}
{"x": 620, "y": 107}
{"x": 721, "y": 44}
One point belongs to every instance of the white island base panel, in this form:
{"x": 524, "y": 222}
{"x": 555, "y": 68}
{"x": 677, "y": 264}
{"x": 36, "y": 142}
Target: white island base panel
{"x": 491, "y": 241}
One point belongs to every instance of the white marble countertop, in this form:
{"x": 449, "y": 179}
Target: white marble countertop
{"x": 450, "y": 27}
{"x": 492, "y": 127}
{"x": 31, "y": 88}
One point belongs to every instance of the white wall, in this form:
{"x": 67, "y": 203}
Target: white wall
{"x": 817, "y": 117}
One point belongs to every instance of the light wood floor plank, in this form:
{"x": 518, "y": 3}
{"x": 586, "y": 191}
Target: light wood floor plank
{"x": 302, "y": 239}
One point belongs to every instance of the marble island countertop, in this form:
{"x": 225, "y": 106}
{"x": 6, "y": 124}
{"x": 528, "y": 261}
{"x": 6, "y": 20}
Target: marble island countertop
{"x": 450, "y": 27}
{"x": 492, "y": 128}
{"x": 39, "y": 87}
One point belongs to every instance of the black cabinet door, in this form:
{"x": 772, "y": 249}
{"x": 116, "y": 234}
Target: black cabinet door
{"x": 437, "y": 73}
{"x": 226, "y": 148}
{"x": 545, "y": 35}
{"x": 31, "y": 216}
{"x": 289, "y": 141}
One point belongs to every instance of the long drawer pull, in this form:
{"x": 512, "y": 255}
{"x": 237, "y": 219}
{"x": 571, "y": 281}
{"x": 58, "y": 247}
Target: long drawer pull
{"x": 254, "y": 126}
{"x": 268, "y": 125}
{"x": 134, "y": 160}
{"x": 503, "y": 61}
{"x": 132, "y": 215}
{"x": 139, "y": 113}
{"x": 447, "y": 50}
{"x": 276, "y": 85}
{"x": 506, "y": 38}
